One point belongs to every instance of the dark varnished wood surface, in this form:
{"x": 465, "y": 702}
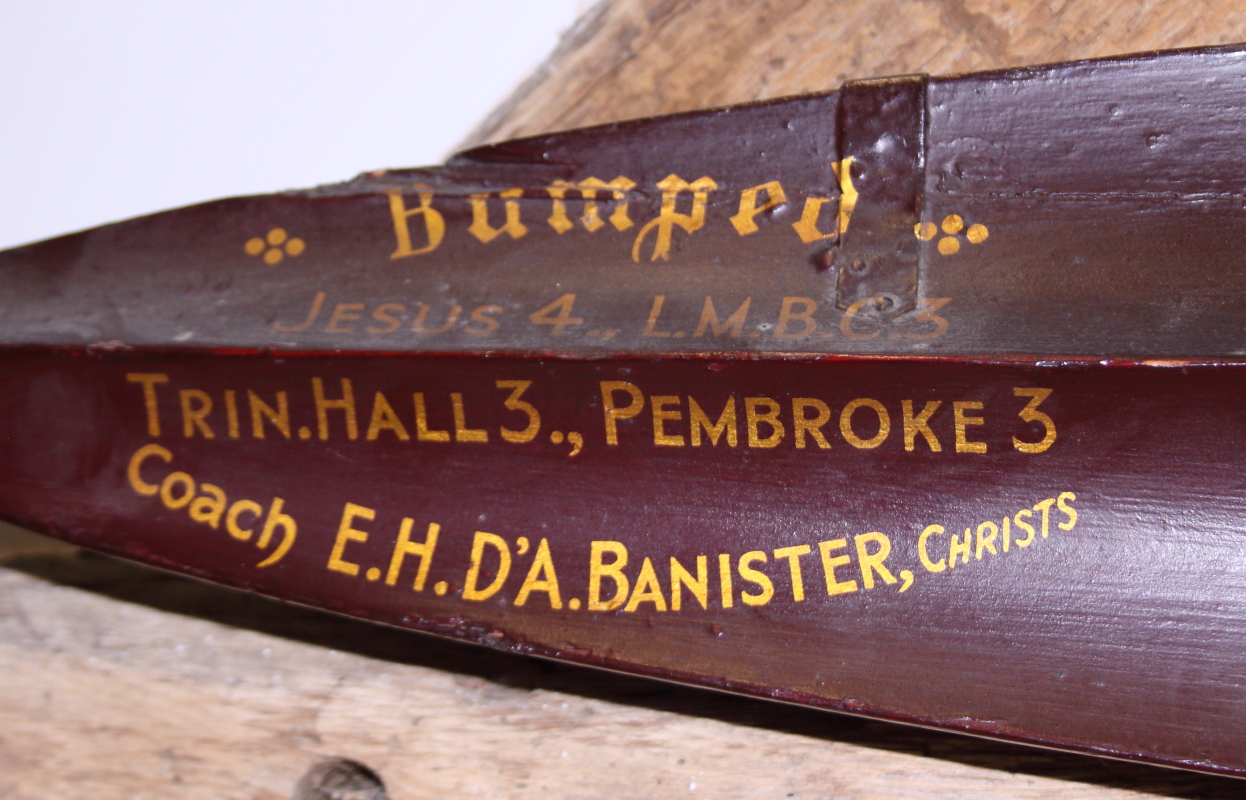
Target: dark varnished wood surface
{"x": 977, "y": 246}
{"x": 1118, "y": 633}
{"x": 1108, "y": 192}
{"x": 944, "y": 758}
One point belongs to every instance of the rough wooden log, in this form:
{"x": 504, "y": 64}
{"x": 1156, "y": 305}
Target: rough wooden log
{"x": 634, "y": 58}
{"x": 121, "y": 681}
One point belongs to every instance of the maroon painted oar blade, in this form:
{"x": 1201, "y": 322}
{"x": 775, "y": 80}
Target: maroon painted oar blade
{"x": 918, "y": 400}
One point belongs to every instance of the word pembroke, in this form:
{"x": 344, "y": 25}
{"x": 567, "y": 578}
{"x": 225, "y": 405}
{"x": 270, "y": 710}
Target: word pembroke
{"x": 420, "y": 228}
{"x": 864, "y": 423}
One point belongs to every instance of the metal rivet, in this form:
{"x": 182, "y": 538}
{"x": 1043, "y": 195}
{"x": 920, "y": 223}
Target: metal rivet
{"x": 826, "y": 259}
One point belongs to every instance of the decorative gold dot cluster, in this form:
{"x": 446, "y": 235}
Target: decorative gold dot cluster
{"x": 952, "y": 225}
{"x": 276, "y": 246}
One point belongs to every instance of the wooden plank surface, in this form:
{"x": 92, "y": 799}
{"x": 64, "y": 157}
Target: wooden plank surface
{"x": 123, "y": 682}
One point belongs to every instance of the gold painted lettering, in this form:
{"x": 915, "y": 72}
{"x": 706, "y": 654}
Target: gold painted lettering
{"x": 1063, "y": 503}
{"x": 726, "y": 423}
{"x": 957, "y": 547}
{"x": 480, "y": 227}
{"x": 231, "y": 413}
{"x": 699, "y": 586}
{"x": 462, "y": 433}
{"x": 1031, "y": 414}
{"x": 597, "y": 569}
{"x": 835, "y": 586}
{"x": 914, "y": 425}
{"x": 422, "y": 431}
{"x": 660, "y": 416}
{"x": 850, "y": 314}
{"x": 987, "y": 533}
{"x": 745, "y": 567}
{"x": 922, "y": 541}
{"x": 196, "y": 405}
{"x": 541, "y": 578}
{"x": 744, "y": 220}
{"x": 343, "y": 312}
{"x": 850, "y": 436}
{"x": 802, "y": 424}
{"x": 323, "y": 406}
{"x": 787, "y": 315}
{"x": 479, "y": 543}
{"x": 733, "y": 325}
{"x": 385, "y": 419}
{"x": 963, "y": 445}
{"x": 405, "y": 547}
{"x": 647, "y": 589}
{"x": 260, "y": 411}
{"x": 175, "y": 501}
{"x": 1044, "y": 508}
{"x": 347, "y": 534}
{"x": 381, "y": 314}
{"x": 793, "y": 554}
{"x": 149, "y": 381}
{"x": 421, "y": 317}
{"x": 558, "y": 215}
{"x": 1029, "y": 529}
{"x": 652, "y": 322}
{"x": 563, "y": 305}
{"x": 807, "y": 227}
{"x": 724, "y": 580}
{"x": 434, "y": 223}
{"x": 209, "y": 506}
{"x": 612, "y": 412}
{"x": 588, "y": 188}
{"x": 136, "y": 464}
{"x": 926, "y": 306}
{"x": 668, "y": 218}
{"x": 870, "y": 563}
{"x": 754, "y": 417}
{"x": 513, "y": 403}
{"x": 483, "y": 323}
{"x": 848, "y": 193}
{"x": 237, "y": 510}
{"x": 276, "y": 519}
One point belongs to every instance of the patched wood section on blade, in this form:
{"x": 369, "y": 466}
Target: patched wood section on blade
{"x": 634, "y": 58}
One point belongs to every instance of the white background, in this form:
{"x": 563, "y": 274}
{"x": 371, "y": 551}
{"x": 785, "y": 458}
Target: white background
{"x": 111, "y": 110}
